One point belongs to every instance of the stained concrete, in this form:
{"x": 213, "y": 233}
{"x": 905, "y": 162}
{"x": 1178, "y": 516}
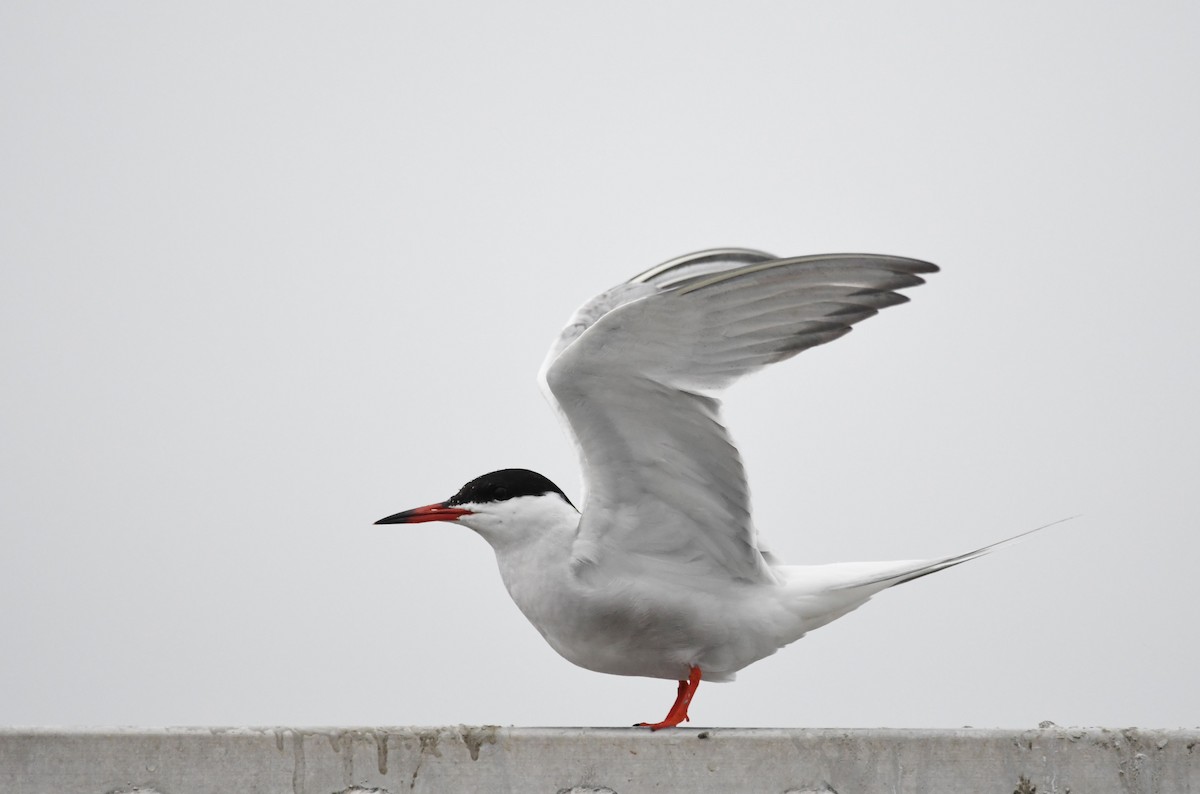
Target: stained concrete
{"x": 596, "y": 760}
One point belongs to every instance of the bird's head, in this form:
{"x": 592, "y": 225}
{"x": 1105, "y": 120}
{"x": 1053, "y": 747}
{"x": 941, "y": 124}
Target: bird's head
{"x": 501, "y": 506}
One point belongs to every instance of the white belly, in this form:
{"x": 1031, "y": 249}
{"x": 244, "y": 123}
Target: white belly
{"x": 646, "y": 628}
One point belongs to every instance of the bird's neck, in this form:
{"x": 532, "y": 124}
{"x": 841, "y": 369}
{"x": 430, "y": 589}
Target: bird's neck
{"x": 535, "y": 561}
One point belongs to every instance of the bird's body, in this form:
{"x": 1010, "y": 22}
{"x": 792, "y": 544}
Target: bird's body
{"x": 634, "y": 622}
{"x": 662, "y": 573}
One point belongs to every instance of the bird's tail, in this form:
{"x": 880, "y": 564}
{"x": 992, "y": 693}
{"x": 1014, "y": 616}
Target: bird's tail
{"x": 906, "y": 572}
{"x": 818, "y": 594}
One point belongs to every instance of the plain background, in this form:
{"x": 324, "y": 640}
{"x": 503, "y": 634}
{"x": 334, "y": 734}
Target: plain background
{"x": 269, "y": 272}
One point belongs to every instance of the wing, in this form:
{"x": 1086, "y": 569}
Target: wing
{"x": 665, "y": 489}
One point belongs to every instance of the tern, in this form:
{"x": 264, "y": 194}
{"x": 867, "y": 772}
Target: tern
{"x": 662, "y": 573}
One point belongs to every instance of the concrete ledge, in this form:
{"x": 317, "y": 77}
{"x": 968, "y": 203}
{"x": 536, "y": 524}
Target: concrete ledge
{"x": 596, "y": 760}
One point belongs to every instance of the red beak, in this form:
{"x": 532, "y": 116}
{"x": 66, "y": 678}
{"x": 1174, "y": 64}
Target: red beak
{"x": 434, "y": 512}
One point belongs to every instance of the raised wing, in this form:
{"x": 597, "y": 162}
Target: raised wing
{"x": 665, "y": 489}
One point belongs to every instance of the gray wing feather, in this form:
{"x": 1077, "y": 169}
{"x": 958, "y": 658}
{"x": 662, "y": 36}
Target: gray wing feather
{"x": 631, "y": 372}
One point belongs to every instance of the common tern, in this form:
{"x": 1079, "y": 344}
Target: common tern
{"x": 662, "y": 574}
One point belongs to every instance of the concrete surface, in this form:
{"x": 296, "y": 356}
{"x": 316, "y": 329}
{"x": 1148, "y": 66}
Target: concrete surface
{"x": 596, "y": 761}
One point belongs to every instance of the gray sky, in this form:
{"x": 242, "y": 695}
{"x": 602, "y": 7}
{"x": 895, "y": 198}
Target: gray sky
{"x": 268, "y": 274}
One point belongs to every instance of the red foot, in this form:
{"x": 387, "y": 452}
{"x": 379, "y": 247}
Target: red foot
{"x": 683, "y": 697}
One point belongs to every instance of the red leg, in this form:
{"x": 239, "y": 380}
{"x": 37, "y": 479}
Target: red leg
{"x": 683, "y": 697}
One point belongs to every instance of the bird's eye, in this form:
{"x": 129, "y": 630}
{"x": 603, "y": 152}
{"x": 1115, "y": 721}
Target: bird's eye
{"x": 500, "y": 492}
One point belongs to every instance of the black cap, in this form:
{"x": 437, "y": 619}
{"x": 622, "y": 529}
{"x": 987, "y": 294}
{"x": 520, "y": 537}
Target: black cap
{"x": 497, "y": 486}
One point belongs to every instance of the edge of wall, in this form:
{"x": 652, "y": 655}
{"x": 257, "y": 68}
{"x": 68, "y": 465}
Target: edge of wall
{"x": 1049, "y": 760}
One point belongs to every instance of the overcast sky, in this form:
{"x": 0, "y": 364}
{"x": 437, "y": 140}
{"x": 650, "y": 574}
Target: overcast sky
{"x": 269, "y": 273}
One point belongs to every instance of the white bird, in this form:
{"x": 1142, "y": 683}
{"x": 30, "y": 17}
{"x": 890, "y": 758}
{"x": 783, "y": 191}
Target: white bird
{"x": 663, "y": 574}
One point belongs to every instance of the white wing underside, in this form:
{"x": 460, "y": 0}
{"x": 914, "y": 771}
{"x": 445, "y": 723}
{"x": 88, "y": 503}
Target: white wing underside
{"x": 632, "y": 374}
